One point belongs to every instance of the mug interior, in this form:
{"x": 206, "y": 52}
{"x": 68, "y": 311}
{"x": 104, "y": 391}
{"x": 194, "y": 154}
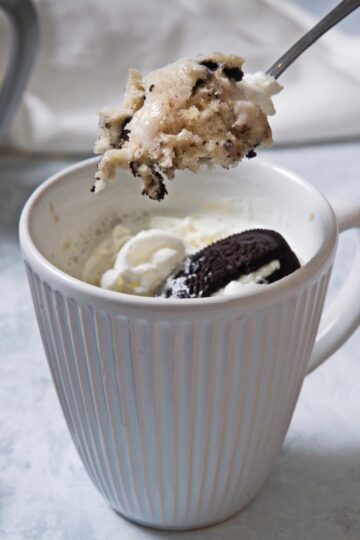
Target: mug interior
{"x": 65, "y": 220}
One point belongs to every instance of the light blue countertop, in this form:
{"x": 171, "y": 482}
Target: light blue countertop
{"x": 313, "y": 492}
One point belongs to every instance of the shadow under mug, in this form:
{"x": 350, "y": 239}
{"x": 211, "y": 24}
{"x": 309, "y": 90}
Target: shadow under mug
{"x": 178, "y": 408}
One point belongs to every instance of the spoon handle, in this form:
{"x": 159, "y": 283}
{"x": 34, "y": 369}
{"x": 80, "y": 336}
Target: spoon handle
{"x": 332, "y": 18}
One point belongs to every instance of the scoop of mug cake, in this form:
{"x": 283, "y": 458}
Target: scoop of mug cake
{"x": 189, "y": 113}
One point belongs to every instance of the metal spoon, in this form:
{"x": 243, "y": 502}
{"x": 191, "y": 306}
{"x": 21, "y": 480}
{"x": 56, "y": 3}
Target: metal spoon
{"x": 332, "y": 18}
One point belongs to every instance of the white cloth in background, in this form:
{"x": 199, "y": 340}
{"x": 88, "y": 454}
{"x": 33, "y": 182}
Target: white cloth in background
{"x": 88, "y": 45}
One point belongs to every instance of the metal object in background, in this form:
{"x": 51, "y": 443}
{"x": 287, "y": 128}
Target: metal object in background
{"x": 25, "y": 30}
{"x": 332, "y": 18}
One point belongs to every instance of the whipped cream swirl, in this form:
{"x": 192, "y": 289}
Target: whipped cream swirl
{"x": 144, "y": 262}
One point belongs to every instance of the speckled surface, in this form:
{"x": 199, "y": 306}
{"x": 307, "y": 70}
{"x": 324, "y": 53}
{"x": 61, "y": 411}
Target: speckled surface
{"x": 313, "y": 492}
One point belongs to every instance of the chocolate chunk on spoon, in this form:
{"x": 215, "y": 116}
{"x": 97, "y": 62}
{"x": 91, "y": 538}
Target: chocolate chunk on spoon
{"x": 207, "y": 271}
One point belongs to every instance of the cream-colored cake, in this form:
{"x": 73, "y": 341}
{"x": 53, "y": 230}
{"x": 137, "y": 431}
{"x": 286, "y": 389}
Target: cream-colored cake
{"x": 192, "y": 112}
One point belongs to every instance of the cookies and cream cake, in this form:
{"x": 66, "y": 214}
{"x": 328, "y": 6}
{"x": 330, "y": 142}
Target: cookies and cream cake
{"x": 196, "y": 111}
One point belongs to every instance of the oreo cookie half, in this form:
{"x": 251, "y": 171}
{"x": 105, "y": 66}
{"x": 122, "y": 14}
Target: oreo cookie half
{"x": 212, "y": 268}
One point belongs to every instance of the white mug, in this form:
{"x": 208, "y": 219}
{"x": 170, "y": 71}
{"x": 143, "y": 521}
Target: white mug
{"x": 178, "y": 408}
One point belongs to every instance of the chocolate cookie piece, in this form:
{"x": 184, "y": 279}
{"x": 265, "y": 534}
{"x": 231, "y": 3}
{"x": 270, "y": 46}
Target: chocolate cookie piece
{"x": 233, "y": 73}
{"x": 251, "y": 154}
{"x": 210, "y": 64}
{"x": 212, "y": 268}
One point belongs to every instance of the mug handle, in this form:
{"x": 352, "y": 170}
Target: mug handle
{"x": 342, "y": 317}
{"x": 25, "y": 32}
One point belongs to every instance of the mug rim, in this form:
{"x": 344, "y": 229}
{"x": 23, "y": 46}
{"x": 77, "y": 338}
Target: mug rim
{"x": 274, "y": 290}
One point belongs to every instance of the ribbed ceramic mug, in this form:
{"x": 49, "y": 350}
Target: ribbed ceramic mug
{"x": 178, "y": 408}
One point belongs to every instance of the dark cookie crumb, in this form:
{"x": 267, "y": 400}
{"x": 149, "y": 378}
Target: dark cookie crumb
{"x": 199, "y": 83}
{"x": 126, "y": 121}
{"x": 134, "y": 166}
{"x": 251, "y": 153}
{"x": 157, "y": 185}
{"x": 210, "y": 64}
{"x": 156, "y": 174}
{"x": 236, "y": 74}
{"x": 162, "y": 192}
{"x": 155, "y": 189}
{"x": 151, "y": 87}
{"x": 124, "y": 137}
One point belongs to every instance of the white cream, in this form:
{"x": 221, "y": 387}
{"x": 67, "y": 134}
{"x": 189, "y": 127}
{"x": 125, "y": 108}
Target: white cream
{"x": 249, "y": 281}
{"x": 144, "y": 262}
{"x": 259, "y": 88}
